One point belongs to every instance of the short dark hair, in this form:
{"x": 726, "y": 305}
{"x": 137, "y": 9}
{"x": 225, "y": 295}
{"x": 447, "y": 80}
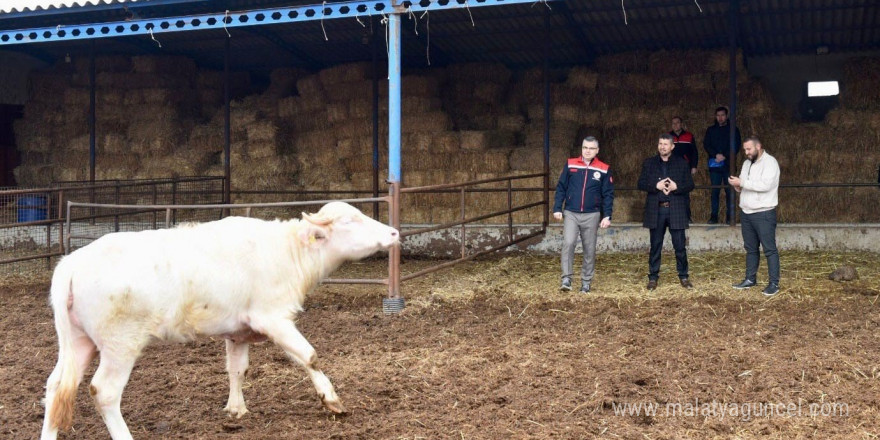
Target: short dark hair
{"x": 679, "y": 119}
{"x": 592, "y": 139}
{"x": 754, "y": 139}
{"x": 667, "y": 137}
{"x": 722, "y": 109}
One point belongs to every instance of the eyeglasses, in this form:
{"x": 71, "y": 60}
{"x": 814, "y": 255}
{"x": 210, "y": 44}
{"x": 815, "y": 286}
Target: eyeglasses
{"x": 590, "y": 148}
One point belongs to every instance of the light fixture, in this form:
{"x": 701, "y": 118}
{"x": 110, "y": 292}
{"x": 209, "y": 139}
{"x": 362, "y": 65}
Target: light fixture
{"x": 822, "y": 88}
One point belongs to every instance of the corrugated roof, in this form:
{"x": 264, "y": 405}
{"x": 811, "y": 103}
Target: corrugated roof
{"x": 577, "y": 31}
{"x": 14, "y": 6}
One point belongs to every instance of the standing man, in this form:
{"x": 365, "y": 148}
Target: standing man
{"x": 586, "y": 188}
{"x": 667, "y": 179}
{"x": 759, "y": 183}
{"x": 685, "y": 144}
{"x": 685, "y": 148}
{"x": 717, "y": 146}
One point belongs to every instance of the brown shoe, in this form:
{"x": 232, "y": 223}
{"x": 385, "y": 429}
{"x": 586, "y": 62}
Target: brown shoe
{"x": 652, "y": 284}
{"x": 686, "y": 283}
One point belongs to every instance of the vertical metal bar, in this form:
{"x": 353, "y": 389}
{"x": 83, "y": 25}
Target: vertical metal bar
{"x": 116, "y": 211}
{"x": 546, "y": 79}
{"x": 61, "y": 221}
{"x": 68, "y": 227}
{"x": 509, "y": 207}
{"x": 731, "y": 120}
{"x": 227, "y": 136}
{"x": 48, "y": 209}
{"x": 167, "y": 218}
{"x": 463, "y": 231}
{"x": 173, "y": 199}
{"x": 394, "y": 143}
{"x": 375, "y": 50}
{"x": 155, "y": 198}
{"x": 92, "y": 110}
{"x": 92, "y": 127}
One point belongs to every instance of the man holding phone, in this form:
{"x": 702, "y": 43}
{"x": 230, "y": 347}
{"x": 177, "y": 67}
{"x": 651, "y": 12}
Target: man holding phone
{"x": 667, "y": 181}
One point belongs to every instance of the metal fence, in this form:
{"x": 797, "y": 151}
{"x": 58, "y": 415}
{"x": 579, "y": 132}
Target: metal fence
{"x": 31, "y": 220}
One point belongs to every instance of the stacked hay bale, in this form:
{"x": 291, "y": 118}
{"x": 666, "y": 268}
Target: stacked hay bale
{"x": 45, "y": 121}
{"x": 146, "y": 107}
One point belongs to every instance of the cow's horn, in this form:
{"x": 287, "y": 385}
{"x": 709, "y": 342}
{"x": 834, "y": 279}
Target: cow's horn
{"x": 317, "y": 219}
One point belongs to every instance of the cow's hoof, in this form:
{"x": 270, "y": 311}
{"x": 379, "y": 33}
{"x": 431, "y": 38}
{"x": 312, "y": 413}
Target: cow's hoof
{"x": 335, "y": 406}
{"x": 236, "y": 412}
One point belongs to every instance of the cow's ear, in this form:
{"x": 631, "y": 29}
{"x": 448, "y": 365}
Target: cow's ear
{"x": 312, "y": 236}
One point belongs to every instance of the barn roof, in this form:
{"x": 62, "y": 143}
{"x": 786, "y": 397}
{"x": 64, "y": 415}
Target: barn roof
{"x": 568, "y": 31}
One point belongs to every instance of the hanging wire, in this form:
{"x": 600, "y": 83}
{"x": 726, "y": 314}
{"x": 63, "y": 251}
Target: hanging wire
{"x": 323, "y": 8}
{"x": 624, "y": 12}
{"x": 154, "y": 38}
{"x": 698, "y": 6}
{"x": 545, "y": 3}
{"x": 428, "y": 42}
{"x": 225, "y": 19}
{"x": 468, "y": 7}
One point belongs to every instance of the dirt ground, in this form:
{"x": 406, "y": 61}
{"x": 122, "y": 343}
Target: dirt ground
{"x": 492, "y": 350}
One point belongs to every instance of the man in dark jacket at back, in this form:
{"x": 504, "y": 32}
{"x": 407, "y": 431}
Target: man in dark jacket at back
{"x": 586, "y": 188}
{"x": 667, "y": 180}
{"x": 717, "y": 146}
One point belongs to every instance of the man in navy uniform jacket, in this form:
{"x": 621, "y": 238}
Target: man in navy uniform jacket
{"x": 586, "y": 189}
{"x": 667, "y": 180}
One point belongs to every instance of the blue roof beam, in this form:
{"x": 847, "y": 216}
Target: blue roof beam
{"x": 224, "y": 20}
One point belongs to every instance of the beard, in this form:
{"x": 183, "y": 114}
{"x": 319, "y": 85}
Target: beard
{"x": 752, "y": 157}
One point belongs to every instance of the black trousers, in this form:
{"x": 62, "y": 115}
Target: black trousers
{"x": 678, "y": 243}
{"x": 760, "y": 228}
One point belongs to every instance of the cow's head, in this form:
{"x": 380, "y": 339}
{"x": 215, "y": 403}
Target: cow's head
{"x": 342, "y": 231}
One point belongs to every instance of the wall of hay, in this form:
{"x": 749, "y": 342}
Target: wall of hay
{"x": 162, "y": 116}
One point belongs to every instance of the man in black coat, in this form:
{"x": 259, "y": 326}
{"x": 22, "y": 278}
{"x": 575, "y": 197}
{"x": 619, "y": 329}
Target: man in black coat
{"x": 667, "y": 180}
{"x": 717, "y": 146}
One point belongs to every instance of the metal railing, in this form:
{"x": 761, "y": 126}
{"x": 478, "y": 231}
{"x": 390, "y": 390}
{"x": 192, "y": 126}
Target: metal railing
{"x": 24, "y": 212}
{"x": 170, "y": 210}
{"x": 463, "y": 189}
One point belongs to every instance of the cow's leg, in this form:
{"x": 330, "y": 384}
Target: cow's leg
{"x": 84, "y": 351}
{"x": 236, "y": 366}
{"x": 106, "y": 389}
{"x": 284, "y": 334}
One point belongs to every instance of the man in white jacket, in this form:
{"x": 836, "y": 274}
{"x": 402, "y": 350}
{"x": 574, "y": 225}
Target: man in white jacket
{"x": 759, "y": 184}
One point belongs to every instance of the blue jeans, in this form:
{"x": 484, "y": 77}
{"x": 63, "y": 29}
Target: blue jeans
{"x": 720, "y": 178}
{"x": 760, "y": 228}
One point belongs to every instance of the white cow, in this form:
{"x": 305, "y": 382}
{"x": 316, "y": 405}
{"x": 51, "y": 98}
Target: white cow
{"x": 241, "y": 278}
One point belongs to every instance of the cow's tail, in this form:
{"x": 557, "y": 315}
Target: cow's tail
{"x": 66, "y": 376}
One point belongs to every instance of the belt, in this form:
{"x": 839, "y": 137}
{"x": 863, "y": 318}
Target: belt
{"x": 664, "y": 204}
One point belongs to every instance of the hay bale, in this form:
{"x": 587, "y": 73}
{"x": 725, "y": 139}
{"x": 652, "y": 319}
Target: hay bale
{"x": 113, "y": 143}
{"x": 479, "y": 72}
{"x": 282, "y": 81}
{"x": 263, "y": 131}
{"x": 482, "y": 140}
{"x": 350, "y": 72}
{"x": 344, "y": 92}
{"x": 511, "y": 122}
{"x": 34, "y": 175}
{"x": 626, "y": 62}
{"x": 310, "y": 87}
{"x": 582, "y": 79}
{"x": 173, "y": 65}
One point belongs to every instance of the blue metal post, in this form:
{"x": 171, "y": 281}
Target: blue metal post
{"x": 394, "y": 303}
{"x": 394, "y": 98}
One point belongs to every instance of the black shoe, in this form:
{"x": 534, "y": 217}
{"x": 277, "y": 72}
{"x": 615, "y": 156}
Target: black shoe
{"x": 686, "y": 283}
{"x": 745, "y": 284}
{"x": 585, "y": 287}
{"x": 652, "y": 284}
{"x": 713, "y": 221}
{"x": 566, "y": 284}
{"x": 771, "y": 290}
